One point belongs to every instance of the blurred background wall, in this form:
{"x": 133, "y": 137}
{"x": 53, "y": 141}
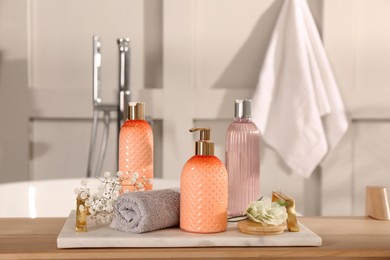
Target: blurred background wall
{"x": 189, "y": 61}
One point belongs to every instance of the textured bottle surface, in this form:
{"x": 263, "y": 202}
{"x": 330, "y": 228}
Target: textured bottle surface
{"x": 242, "y": 164}
{"x": 136, "y": 155}
{"x": 203, "y": 195}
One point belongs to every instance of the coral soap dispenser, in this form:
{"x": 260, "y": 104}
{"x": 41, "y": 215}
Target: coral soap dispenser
{"x": 203, "y": 189}
{"x": 136, "y": 150}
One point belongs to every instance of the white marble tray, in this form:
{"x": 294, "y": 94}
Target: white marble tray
{"x": 103, "y": 236}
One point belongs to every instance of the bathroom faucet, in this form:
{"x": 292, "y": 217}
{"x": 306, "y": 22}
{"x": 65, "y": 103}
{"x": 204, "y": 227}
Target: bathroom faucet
{"x": 124, "y": 80}
{"x": 99, "y": 106}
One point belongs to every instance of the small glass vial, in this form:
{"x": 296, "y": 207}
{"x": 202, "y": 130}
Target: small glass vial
{"x": 81, "y": 215}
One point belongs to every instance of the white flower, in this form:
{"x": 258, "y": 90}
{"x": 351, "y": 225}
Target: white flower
{"x": 77, "y": 191}
{"x": 266, "y": 213}
{"x": 81, "y": 208}
{"x": 119, "y": 174}
{"x": 109, "y": 208}
{"x": 101, "y": 188}
{"x": 83, "y": 195}
{"x": 100, "y": 204}
{"x": 84, "y": 183}
{"x": 108, "y": 218}
{"x": 92, "y": 211}
{"x": 133, "y": 180}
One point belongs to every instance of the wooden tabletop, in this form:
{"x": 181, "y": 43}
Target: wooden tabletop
{"x": 345, "y": 237}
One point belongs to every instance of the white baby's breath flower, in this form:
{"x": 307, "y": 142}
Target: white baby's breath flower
{"x": 99, "y": 221}
{"x": 109, "y": 208}
{"x": 77, "y": 191}
{"x": 92, "y": 211}
{"x": 133, "y": 180}
{"x": 101, "y": 188}
{"x": 84, "y": 183}
{"x": 108, "y": 218}
{"x": 100, "y": 204}
{"x": 266, "y": 213}
{"x": 119, "y": 174}
{"x": 83, "y": 195}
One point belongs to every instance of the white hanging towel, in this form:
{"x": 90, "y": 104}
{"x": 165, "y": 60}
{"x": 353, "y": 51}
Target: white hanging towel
{"x": 297, "y": 105}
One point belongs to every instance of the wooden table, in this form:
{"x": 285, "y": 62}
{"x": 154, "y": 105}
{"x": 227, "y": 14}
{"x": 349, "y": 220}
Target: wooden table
{"x": 343, "y": 237}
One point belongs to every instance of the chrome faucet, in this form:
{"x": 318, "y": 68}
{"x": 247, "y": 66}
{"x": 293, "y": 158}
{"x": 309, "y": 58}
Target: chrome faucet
{"x": 99, "y": 106}
{"x": 124, "y": 80}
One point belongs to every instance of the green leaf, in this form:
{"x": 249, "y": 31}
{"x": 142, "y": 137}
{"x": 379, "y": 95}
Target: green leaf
{"x": 282, "y": 203}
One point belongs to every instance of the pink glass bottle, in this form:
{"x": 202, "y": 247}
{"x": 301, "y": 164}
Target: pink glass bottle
{"x": 203, "y": 189}
{"x": 242, "y": 159}
{"x": 136, "y": 150}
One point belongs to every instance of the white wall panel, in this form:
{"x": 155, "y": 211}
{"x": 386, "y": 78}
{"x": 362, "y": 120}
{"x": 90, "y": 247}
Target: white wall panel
{"x": 358, "y": 46}
{"x": 59, "y": 148}
{"x": 14, "y": 96}
{"x": 371, "y": 157}
{"x": 231, "y": 39}
{"x": 61, "y": 41}
{"x": 372, "y": 44}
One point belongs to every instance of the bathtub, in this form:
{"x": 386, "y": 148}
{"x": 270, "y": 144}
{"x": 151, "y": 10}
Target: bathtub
{"x": 50, "y": 198}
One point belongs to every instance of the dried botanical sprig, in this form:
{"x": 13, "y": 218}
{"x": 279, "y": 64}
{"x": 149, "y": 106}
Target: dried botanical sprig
{"x": 135, "y": 182}
{"x": 100, "y": 204}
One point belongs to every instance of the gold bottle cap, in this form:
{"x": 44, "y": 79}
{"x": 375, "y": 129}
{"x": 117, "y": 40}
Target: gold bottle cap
{"x": 204, "y": 146}
{"x": 136, "y": 111}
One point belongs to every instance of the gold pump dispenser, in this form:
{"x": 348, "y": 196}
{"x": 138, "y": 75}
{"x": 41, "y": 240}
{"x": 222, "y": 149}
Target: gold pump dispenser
{"x": 204, "y": 146}
{"x": 136, "y": 111}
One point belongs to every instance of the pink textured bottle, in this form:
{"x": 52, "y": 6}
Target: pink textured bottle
{"x": 136, "y": 150}
{"x": 242, "y": 159}
{"x": 203, "y": 189}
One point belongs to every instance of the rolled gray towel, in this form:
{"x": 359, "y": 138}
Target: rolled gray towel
{"x": 144, "y": 211}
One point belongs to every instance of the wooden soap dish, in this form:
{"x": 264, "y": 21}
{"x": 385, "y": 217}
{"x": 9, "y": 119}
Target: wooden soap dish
{"x": 253, "y": 228}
